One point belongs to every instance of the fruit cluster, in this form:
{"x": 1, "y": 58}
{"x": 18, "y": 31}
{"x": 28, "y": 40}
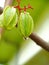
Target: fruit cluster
{"x": 10, "y": 18}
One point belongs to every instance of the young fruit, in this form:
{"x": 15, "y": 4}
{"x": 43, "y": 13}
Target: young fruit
{"x": 10, "y": 17}
{"x": 25, "y": 24}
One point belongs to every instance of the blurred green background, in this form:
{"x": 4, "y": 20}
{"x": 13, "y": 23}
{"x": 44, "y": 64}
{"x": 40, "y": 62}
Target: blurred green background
{"x": 13, "y": 38}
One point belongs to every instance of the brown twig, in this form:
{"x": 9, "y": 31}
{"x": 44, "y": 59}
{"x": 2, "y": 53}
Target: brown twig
{"x": 39, "y": 41}
{"x": 1, "y": 10}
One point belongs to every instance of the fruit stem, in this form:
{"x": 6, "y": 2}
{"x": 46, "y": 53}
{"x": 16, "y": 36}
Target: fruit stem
{"x": 25, "y": 7}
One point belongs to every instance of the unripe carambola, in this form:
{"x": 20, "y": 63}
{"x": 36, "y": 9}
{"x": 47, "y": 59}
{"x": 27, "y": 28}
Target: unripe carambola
{"x": 25, "y": 24}
{"x": 10, "y": 17}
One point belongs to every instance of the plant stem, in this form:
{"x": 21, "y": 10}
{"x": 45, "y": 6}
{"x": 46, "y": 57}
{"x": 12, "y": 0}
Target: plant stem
{"x": 39, "y": 41}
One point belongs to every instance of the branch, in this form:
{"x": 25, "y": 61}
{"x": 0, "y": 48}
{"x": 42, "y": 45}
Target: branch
{"x": 39, "y": 41}
{"x": 8, "y": 2}
{"x": 1, "y": 10}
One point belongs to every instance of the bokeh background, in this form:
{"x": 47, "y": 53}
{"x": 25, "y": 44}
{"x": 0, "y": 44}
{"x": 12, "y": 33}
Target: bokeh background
{"x": 29, "y": 53}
